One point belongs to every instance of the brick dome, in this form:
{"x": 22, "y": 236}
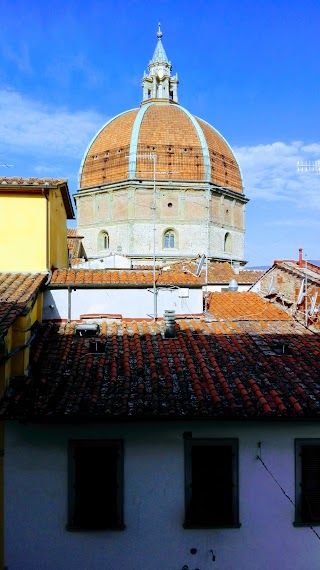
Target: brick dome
{"x": 186, "y": 148}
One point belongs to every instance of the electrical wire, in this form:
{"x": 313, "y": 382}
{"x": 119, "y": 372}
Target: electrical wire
{"x": 284, "y": 492}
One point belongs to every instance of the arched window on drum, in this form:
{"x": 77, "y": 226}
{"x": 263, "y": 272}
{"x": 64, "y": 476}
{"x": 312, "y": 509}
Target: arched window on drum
{"x": 103, "y": 241}
{"x": 227, "y": 243}
{"x": 169, "y": 239}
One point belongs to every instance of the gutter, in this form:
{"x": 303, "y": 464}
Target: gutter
{"x": 75, "y": 286}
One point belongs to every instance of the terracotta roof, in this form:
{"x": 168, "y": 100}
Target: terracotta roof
{"x": 282, "y": 285}
{"x": 74, "y": 243}
{"x": 16, "y": 291}
{"x": 312, "y": 271}
{"x": 243, "y": 306}
{"x": 217, "y": 370}
{"x": 121, "y": 277}
{"x": 173, "y": 134}
{"x": 220, "y": 272}
{"x": 36, "y": 185}
{"x": 19, "y": 181}
{"x": 249, "y": 275}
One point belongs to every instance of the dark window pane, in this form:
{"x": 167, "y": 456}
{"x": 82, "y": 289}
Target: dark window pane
{"x": 310, "y": 483}
{"x": 95, "y": 486}
{"x": 212, "y": 493}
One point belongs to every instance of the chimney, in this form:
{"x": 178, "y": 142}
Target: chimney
{"x": 169, "y": 318}
{"x": 300, "y": 262}
{"x": 236, "y": 267}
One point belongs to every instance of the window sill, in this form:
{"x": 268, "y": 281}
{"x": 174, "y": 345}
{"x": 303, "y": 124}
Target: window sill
{"x": 72, "y": 528}
{"x": 306, "y": 524}
{"x": 199, "y": 526}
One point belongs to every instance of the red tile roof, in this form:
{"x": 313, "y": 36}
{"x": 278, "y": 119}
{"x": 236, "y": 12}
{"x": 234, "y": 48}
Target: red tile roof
{"x": 36, "y": 185}
{"x": 220, "y": 272}
{"x": 74, "y": 243}
{"x": 121, "y": 278}
{"x": 16, "y": 291}
{"x": 282, "y": 284}
{"x": 249, "y": 276}
{"x": 212, "y": 369}
{"x": 27, "y": 182}
{"x": 245, "y": 306}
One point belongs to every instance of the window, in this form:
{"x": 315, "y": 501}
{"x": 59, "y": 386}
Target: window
{"x": 95, "y": 485}
{"x": 227, "y": 243}
{"x": 211, "y": 483}
{"x": 307, "y": 481}
{"x": 169, "y": 239}
{"x": 103, "y": 240}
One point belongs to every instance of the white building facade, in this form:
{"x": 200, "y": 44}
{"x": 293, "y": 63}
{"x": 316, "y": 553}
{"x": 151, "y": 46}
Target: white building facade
{"x": 153, "y": 490}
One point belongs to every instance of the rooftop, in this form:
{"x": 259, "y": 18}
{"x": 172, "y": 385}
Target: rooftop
{"x": 218, "y": 367}
{"x": 121, "y": 277}
{"x": 16, "y": 291}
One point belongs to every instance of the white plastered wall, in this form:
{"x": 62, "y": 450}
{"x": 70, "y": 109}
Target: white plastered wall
{"x": 129, "y": 303}
{"x": 36, "y": 484}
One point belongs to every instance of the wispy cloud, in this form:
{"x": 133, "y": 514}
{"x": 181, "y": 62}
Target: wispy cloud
{"x": 65, "y": 68}
{"x": 270, "y": 173}
{"x": 18, "y": 56}
{"x": 32, "y": 127}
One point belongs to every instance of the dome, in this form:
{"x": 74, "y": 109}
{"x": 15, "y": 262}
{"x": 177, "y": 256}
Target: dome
{"x": 160, "y": 184}
{"x": 187, "y": 148}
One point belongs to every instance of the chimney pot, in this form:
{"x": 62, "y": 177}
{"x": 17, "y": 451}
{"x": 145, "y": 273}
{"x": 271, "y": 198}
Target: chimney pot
{"x": 169, "y": 321}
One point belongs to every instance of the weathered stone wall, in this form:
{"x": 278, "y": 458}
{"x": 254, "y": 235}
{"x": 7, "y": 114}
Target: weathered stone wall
{"x": 126, "y": 214}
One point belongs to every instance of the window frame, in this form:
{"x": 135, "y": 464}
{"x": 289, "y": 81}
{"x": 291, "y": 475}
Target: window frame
{"x": 171, "y": 235}
{"x": 299, "y": 444}
{"x": 103, "y": 237}
{"x": 117, "y": 446}
{"x": 190, "y": 442}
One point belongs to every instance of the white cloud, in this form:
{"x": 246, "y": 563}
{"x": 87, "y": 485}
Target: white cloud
{"x": 270, "y": 173}
{"x": 31, "y": 127}
{"x": 55, "y": 136}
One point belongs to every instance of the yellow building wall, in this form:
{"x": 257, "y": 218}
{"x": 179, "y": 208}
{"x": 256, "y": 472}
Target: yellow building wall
{"x": 23, "y": 236}
{"x": 58, "y": 250}
{"x": 18, "y": 335}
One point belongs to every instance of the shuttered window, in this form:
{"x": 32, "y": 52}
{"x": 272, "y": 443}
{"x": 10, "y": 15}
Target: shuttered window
{"x": 211, "y": 483}
{"x": 95, "y": 484}
{"x": 308, "y": 481}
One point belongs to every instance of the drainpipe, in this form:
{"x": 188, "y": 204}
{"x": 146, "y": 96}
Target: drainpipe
{"x": 69, "y": 304}
{"x": 45, "y": 194}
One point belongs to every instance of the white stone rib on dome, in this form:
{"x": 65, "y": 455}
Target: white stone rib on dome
{"x": 203, "y": 142}
{"x": 135, "y": 137}
{"x": 134, "y": 140}
{"x": 224, "y": 140}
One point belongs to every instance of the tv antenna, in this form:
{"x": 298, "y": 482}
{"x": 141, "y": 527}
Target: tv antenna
{"x": 271, "y": 288}
{"x": 309, "y": 166}
{"x": 152, "y": 156}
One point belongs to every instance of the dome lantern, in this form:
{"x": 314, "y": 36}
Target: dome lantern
{"x": 159, "y": 84}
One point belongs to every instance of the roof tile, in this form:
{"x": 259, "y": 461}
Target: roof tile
{"x": 210, "y": 369}
{"x": 16, "y": 291}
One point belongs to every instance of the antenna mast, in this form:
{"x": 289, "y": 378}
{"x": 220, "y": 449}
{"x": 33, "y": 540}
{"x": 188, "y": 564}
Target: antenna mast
{"x": 309, "y": 166}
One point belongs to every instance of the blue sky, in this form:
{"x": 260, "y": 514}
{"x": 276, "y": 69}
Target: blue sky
{"x": 251, "y": 69}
